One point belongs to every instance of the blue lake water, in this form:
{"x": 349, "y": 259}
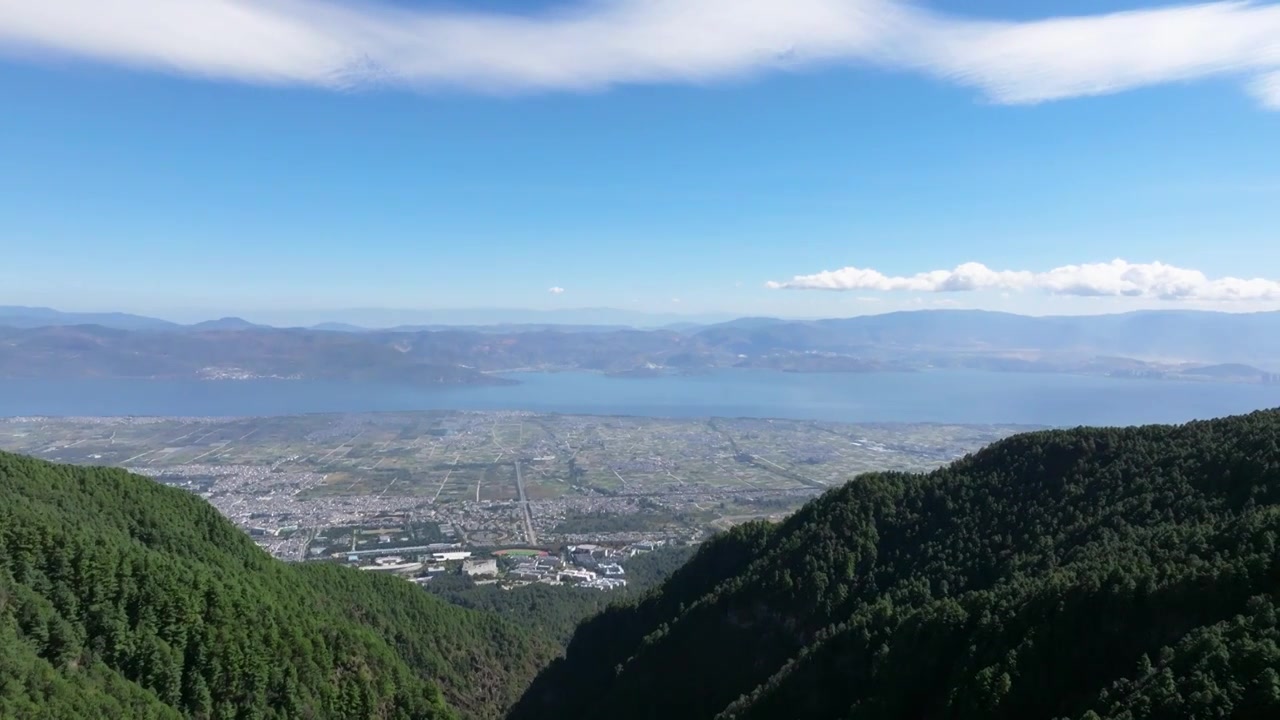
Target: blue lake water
{"x": 943, "y": 396}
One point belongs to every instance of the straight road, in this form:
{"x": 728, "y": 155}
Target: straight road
{"x": 530, "y": 537}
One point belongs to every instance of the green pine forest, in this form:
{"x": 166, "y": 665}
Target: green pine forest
{"x": 122, "y": 598}
{"x": 1129, "y": 573}
{"x": 1091, "y": 573}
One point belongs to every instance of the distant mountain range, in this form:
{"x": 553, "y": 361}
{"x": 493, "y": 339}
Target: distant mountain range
{"x": 37, "y": 342}
{"x": 31, "y": 317}
{"x": 485, "y": 317}
{"x": 1161, "y": 336}
{"x": 364, "y": 320}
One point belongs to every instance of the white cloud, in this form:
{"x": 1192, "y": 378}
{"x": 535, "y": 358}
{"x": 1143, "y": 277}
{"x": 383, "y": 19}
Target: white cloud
{"x": 601, "y": 43}
{"x": 1267, "y": 89}
{"x": 556, "y": 290}
{"x": 969, "y": 276}
{"x": 1092, "y": 55}
{"x": 1118, "y": 278}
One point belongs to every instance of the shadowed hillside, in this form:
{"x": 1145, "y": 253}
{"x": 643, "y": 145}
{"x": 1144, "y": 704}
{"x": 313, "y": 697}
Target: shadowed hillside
{"x": 1091, "y": 573}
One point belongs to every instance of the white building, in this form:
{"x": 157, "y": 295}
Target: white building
{"x": 486, "y": 566}
{"x": 452, "y": 555}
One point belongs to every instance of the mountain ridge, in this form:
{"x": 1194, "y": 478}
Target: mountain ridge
{"x": 1088, "y": 573}
{"x": 1092, "y": 573}
{"x": 1173, "y": 344}
{"x": 373, "y": 319}
{"x": 118, "y": 592}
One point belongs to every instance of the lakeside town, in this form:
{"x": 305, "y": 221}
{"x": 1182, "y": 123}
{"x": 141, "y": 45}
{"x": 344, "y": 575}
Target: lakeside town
{"x": 561, "y": 498}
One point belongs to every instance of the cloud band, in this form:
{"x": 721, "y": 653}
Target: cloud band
{"x": 1118, "y": 278}
{"x": 608, "y": 42}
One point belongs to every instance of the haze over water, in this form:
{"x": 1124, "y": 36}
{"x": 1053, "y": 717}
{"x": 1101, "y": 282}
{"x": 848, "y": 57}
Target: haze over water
{"x": 942, "y": 396}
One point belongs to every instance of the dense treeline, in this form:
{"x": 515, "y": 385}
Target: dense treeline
{"x": 120, "y": 597}
{"x": 552, "y": 611}
{"x": 1092, "y": 573}
{"x": 650, "y": 569}
{"x": 1086, "y": 574}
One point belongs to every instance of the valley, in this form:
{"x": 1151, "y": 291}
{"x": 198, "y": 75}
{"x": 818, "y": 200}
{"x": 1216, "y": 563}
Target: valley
{"x": 491, "y": 479}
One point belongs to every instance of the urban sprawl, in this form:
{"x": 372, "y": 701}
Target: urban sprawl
{"x": 509, "y": 497}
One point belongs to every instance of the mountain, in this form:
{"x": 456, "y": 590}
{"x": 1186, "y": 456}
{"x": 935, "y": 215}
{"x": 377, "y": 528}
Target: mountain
{"x": 508, "y": 328}
{"x": 32, "y": 317}
{"x": 226, "y": 323}
{"x": 386, "y": 318}
{"x": 1169, "y": 344}
{"x": 1231, "y": 371}
{"x": 940, "y": 338}
{"x": 120, "y": 597}
{"x": 1164, "y": 336}
{"x": 361, "y": 320}
{"x": 1090, "y": 573}
{"x": 338, "y": 327}
{"x": 237, "y": 353}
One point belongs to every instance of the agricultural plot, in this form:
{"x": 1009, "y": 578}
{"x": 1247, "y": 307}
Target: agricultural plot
{"x": 301, "y": 477}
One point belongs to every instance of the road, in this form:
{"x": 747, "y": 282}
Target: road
{"x": 530, "y": 537}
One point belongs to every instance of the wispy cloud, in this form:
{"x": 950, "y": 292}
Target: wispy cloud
{"x": 1118, "y": 278}
{"x": 556, "y": 290}
{"x": 607, "y": 42}
{"x": 1267, "y": 89}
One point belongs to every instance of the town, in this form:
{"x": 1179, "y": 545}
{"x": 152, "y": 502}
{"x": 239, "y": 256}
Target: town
{"x": 559, "y": 498}
{"x": 587, "y": 565}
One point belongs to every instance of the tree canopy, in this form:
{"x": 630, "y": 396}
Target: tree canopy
{"x": 1089, "y": 573}
{"x": 120, "y": 597}
{"x": 1126, "y": 574}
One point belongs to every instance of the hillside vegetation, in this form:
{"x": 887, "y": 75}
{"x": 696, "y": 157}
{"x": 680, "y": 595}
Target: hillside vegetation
{"x": 1086, "y": 574}
{"x": 122, "y": 598}
{"x": 554, "y": 611}
{"x": 1092, "y": 573}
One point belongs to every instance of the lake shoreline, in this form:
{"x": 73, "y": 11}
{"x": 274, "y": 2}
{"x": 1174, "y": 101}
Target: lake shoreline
{"x": 939, "y": 396}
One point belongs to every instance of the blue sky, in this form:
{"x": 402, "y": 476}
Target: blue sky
{"x": 162, "y": 176}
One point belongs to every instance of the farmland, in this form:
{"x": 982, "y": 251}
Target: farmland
{"x": 492, "y": 478}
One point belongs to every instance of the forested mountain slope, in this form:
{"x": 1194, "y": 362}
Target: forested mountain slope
{"x": 554, "y": 611}
{"x": 1090, "y": 573}
{"x": 120, "y": 597}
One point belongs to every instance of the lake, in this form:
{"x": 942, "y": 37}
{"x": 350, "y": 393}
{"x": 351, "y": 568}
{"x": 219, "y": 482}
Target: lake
{"x": 942, "y": 396}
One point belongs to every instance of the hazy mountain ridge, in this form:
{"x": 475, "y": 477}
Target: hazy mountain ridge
{"x": 94, "y": 351}
{"x": 1092, "y": 573}
{"x": 32, "y": 317}
{"x": 1170, "y": 344}
{"x": 365, "y": 319}
{"x": 1165, "y": 336}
